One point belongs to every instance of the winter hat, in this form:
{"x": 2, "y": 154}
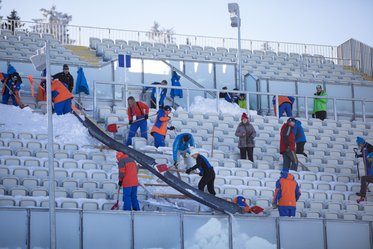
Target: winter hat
{"x": 360, "y": 140}
{"x": 193, "y": 151}
{"x": 167, "y": 108}
{"x": 244, "y": 116}
{"x": 186, "y": 138}
{"x": 120, "y": 155}
{"x": 318, "y": 87}
{"x": 291, "y": 120}
{"x": 65, "y": 66}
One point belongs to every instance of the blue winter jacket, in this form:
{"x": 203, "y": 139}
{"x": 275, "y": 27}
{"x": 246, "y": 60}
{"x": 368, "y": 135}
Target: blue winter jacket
{"x": 299, "y": 132}
{"x": 163, "y": 92}
{"x": 180, "y": 145}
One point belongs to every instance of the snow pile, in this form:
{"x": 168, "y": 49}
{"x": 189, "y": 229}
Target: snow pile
{"x": 66, "y": 128}
{"x": 204, "y": 105}
{"x": 214, "y": 235}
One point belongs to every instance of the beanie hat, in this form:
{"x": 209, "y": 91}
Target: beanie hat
{"x": 291, "y": 120}
{"x": 120, "y": 155}
{"x": 193, "y": 151}
{"x": 244, "y": 115}
{"x": 360, "y": 140}
{"x": 65, "y": 66}
{"x": 167, "y": 108}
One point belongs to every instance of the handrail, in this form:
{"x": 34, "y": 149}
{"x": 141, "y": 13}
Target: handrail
{"x": 79, "y": 35}
{"x": 217, "y": 91}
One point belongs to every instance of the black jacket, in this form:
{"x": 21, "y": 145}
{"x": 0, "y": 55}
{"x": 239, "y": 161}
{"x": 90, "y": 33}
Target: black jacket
{"x": 65, "y": 78}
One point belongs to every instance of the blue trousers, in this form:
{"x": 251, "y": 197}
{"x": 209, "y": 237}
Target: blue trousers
{"x": 285, "y": 107}
{"x": 62, "y": 107}
{"x": 143, "y": 125}
{"x": 158, "y": 140}
{"x": 130, "y": 199}
{"x": 6, "y": 98}
{"x": 286, "y": 211}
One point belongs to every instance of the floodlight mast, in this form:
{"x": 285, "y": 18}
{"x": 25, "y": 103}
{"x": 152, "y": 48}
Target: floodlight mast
{"x": 234, "y": 11}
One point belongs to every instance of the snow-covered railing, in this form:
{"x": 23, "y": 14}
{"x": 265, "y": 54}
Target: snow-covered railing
{"x": 216, "y": 104}
{"x": 79, "y": 35}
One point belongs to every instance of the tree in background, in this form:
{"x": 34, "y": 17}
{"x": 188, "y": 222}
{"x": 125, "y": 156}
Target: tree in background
{"x": 13, "y": 22}
{"x": 55, "y": 23}
{"x": 160, "y": 35}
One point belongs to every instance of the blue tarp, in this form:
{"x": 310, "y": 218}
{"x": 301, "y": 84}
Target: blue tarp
{"x": 175, "y": 80}
{"x": 81, "y": 83}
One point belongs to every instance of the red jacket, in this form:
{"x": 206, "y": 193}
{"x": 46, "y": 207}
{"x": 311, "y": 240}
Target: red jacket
{"x": 128, "y": 172}
{"x": 286, "y": 138}
{"x": 139, "y": 109}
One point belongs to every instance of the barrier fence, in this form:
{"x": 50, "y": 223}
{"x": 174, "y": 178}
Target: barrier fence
{"x": 27, "y": 228}
{"x": 79, "y": 35}
{"x": 119, "y": 92}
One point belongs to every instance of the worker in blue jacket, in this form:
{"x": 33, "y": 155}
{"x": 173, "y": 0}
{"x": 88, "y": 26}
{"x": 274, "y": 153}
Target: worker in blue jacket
{"x": 12, "y": 84}
{"x": 181, "y": 146}
{"x": 205, "y": 170}
{"x": 300, "y": 138}
{"x": 162, "y": 94}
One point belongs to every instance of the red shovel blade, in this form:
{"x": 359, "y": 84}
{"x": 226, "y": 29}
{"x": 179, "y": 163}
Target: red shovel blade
{"x": 112, "y": 128}
{"x": 115, "y": 206}
{"x": 256, "y": 209}
{"x": 162, "y": 168}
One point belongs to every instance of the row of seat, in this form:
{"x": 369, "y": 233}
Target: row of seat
{"x": 21, "y": 46}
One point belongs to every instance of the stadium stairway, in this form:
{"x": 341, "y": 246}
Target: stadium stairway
{"x": 85, "y": 54}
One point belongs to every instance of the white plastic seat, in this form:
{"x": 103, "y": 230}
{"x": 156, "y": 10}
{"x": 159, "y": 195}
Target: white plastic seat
{"x": 69, "y": 204}
{"x": 27, "y": 203}
{"x": 90, "y": 206}
{"x": 18, "y": 191}
{"x": 7, "y": 202}
{"x": 61, "y": 154}
{"x": 99, "y": 175}
{"x": 69, "y": 164}
{"x": 11, "y": 161}
{"x": 99, "y": 195}
{"x": 39, "y": 192}
{"x": 32, "y": 162}
{"x": 79, "y": 193}
{"x": 87, "y": 165}
{"x": 79, "y": 174}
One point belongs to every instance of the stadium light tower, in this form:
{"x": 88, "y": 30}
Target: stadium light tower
{"x": 234, "y": 11}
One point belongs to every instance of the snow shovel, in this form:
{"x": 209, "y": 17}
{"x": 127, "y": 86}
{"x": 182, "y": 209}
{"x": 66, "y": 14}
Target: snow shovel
{"x": 18, "y": 99}
{"x": 116, "y": 204}
{"x": 256, "y": 209}
{"x": 114, "y": 127}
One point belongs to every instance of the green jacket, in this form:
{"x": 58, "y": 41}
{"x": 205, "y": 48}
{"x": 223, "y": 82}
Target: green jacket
{"x": 320, "y": 104}
{"x": 242, "y": 103}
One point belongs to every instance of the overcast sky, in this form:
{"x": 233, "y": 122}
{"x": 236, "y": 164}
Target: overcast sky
{"x": 329, "y": 22}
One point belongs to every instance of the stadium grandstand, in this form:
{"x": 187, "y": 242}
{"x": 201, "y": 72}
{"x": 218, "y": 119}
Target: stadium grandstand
{"x": 86, "y": 174}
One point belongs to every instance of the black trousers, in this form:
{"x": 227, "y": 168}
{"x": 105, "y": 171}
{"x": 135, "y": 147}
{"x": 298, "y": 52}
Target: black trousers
{"x": 208, "y": 179}
{"x": 321, "y": 115}
{"x": 364, "y": 180}
{"x": 247, "y": 151}
{"x": 300, "y": 148}
{"x": 290, "y": 160}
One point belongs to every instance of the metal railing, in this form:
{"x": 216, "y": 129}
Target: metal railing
{"x": 216, "y": 108}
{"x": 79, "y": 35}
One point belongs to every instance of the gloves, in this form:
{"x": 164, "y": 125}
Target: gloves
{"x": 274, "y": 205}
{"x": 120, "y": 183}
{"x": 130, "y": 122}
{"x": 172, "y": 128}
{"x": 146, "y": 116}
{"x": 315, "y": 94}
{"x": 188, "y": 171}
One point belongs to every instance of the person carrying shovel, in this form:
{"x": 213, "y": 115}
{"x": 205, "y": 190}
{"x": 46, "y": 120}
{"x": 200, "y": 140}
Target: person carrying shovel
{"x": 141, "y": 111}
{"x": 12, "y": 84}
